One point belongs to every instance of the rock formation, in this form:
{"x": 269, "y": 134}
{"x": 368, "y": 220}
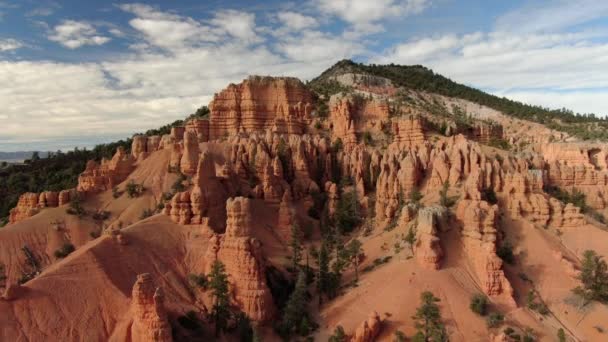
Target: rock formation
{"x": 282, "y": 105}
{"x": 369, "y": 329}
{"x": 30, "y": 203}
{"x": 104, "y": 176}
{"x": 484, "y": 132}
{"x": 409, "y": 131}
{"x": 190, "y": 155}
{"x": 150, "y": 321}
{"x": 200, "y": 127}
{"x": 242, "y": 257}
{"x": 427, "y": 250}
{"x": 479, "y": 240}
{"x": 286, "y": 217}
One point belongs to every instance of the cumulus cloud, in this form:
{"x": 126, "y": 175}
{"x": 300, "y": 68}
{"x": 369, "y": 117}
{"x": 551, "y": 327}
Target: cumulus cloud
{"x": 238, "y": 24}
{"x": 364, "y": 15}
{"x": 74, "y": 34}
{"x": 9, "y": 44}
{"x": 548, "y": 16}
{"x": 294, "y": 21}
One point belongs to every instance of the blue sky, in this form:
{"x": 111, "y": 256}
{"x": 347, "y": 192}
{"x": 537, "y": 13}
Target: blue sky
{"x": 76, "y": 73}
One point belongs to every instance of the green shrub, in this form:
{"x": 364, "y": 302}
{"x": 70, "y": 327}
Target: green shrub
{"x": 133, "y": 189}
{"x": 505, "y": 252}
{"x": 494, "y": 320}
{"x": 479, "y": 304}
{"x": 64, "y": 251}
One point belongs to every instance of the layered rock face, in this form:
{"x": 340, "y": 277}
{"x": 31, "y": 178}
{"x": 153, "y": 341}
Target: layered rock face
{"x": 526, "y": 199}
{"x": 281, "y": 105}
{"x": 579, "y": 167}
{"x": 479, "y": 240}
{"x": 484, "y": 132}
{"x": 427, "y": 250}
{"x": 150, "y": 321}
{"x": 369, "y": 329}
{"x": 143, "y": 145}
{"x": 190, "y": 155}
{"x": 350, "y": 115}
{"x": 29, "y": 204}
{"x": 206, "y": 199}
{"x": 242, "y": 257}
{"x": 104, "y": 176}
{"x": 200, "y": 127}
{"x": 409, "y": 131}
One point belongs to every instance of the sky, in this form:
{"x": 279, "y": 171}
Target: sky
{"x": 78, "y": 73}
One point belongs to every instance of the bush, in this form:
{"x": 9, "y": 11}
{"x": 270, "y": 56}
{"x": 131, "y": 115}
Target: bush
{"x": 594, "y": 278}
{"x": 489, "y": 196}
{"x": 339, "y": 335}
{"x": 337, "y": 145}
{"x": 146, "y": 213}
{"x": 347, "y": 212}
{"x": 505, "y": 252}
{"x": 189, "y": 321}
{"x": 399, "y": 336}
{"x": 76, "y": 207}
{"x": 367, "y": 138}
{"x": 64, "y": 251}
{"x": 101, "y": 215}
{"x": 115, "y": 192}
{"x": 479, "y": 304}
{"x": 494, "y": 320}
{"x": 199, "y": 280}
{"x": 133, "y": 189}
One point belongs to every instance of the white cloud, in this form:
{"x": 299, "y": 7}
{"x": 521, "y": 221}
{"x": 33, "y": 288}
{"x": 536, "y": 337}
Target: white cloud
{"x": 548, "y": 16}
{"x": 294, "y": 21}
{"x": 74, "y": 34}
{"x": 365, "y": 14}
{"x": 313, "y": 46}
{"x": 238, "y": 24}
{"x": 9, "y": 44}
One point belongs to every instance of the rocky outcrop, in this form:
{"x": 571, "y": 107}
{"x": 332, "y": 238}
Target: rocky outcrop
{"x": 30, "y": 203}
{"x": 351, "y": 115}
{"x": 369, "y": 329}
{"x": 526, "y": 199}
{"x": 200, "y": 127}
{"x": 427, "y": 250}
{"x": 104, "y": 176}
{"x": 479, "y": 240}
{"x": 143, "y": 145}
{"x": 484, "y": 132}
{"x": 409, "y": 131}
{"x": 281, "y": 105}
{"x": 27, "y": 206}
{"x": 150, "y": 321}
{"x": 286, "y": 217}
{"x": 206, "y": 199}
{"x": 190, "y": 155}
{"x": 244, "y": 264}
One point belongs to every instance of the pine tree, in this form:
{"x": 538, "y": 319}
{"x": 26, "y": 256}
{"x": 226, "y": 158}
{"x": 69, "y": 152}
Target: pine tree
{"x": 355, "y": 250}
{"x": 428, "y": 320}
{"x": 594, "y": 278}
{"x": 561, "y": 335}
{"x": 410, "y": 238}
{"x": 323, "y": 276}
{"x": 296, "y": 308}
{"x": 218, "y": 283}
{"x": 296, "y": 246}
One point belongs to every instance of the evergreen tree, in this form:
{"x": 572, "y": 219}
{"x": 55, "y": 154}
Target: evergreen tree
{"x": 296, "y": 246}
{"x": 323, "y": 275}
{"x": 410, "y": 238}
{"x": 561, "y": 335}
{"x": 594, "y": 278}
{"x": 428, "y": 320}
{"x": 339, "y": 335}
{"x": 218, "y": 283}
{"x": 355, "y": 250}
{"x": 295, "y": 309}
